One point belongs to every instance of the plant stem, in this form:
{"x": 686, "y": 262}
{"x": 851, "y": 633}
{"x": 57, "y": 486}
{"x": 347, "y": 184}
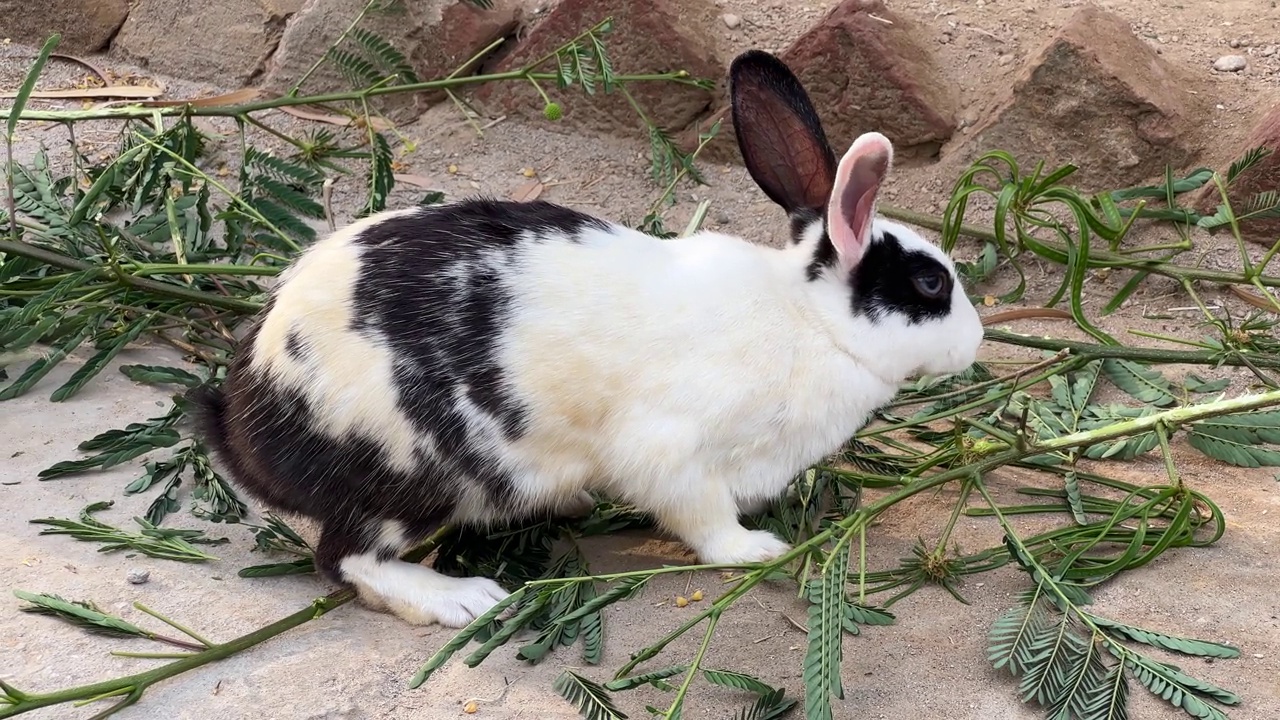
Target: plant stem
{"x": 142, "y": 112}
{"x": 133, "y": 686}
{"x": 1094, "y": 351}
{"x": 66, "y": 262}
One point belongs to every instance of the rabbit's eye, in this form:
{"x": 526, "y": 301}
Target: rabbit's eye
{"x": 932, "y": 284}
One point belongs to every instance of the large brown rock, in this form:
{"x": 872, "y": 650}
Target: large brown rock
{"x": 223, "y": 41}
{"x": 435, "y": 36}
{"x": 1097, "y": 97}
{"x": 866, "y": 68}
{"x": 85, "y": 25}
{"x": 1260, "y": 178}
{"x": 648, "y": 36}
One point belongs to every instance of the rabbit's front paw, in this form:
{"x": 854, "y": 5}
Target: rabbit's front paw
{"x": 743, "y": 546}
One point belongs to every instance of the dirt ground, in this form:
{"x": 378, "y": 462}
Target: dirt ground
{"x": 354, "y": 663}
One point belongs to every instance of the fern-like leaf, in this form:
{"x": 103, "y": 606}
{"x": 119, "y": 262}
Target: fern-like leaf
{"x": 590, "y": 698}
{"x": 1170, "y": 685}
{"x": 649, "y": 678}
{"x": 1143, "y": 383}
{"x": 1186, "y": 646}
{"x": 391, "y": 60}
{"x": 737, "y": 681}
{"x": 1246, "y": 161}
{"x": 357, "y": 70}
{"x": 1230, "y": 451}
{"x": 825, "y": 653}
{"x": 770, "y": 706}
{"x": 1108, "y": 696}
{"x": 381, "y": 172}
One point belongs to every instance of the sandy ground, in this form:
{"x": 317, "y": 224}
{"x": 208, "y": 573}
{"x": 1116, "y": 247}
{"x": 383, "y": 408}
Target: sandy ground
{"x": 354, "y": 663}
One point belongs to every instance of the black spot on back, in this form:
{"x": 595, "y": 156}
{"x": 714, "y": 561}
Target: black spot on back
{"x": 295, "y": 346}
{"x": 432, "y": 285}
{"x": 882, "y": 282}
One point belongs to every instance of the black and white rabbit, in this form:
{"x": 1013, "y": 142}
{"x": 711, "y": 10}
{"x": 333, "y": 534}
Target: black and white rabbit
{"x": 486, "y": 361}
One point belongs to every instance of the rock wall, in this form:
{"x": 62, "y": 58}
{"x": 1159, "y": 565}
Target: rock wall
{"x": 1093, "y": 94}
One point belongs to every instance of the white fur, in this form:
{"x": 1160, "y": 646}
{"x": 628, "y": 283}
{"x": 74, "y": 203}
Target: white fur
{"x": 418, "y": 594}
{"x": 693, "y": 376}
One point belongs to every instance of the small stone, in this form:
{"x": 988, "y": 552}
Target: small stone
{"x": 1230, "y": 63}
{"x": 1234, "y": 43}
{"x": 722, "y": 218}
{"x": 138, "y": 576}
{"x": 1004, "y": 60}
{"x": 731, "y": 21}
{"x": 1268, "y": 51}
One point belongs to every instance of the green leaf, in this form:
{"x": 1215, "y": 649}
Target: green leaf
{"x": 737, "y": 681}
{"x": 464, "y": 636}
{"x": 29, "y": 83}
{"x": 1143, "y": 383}
{"x": 304, "y": 566}
{"x": 391, "y": 60}
{"x": 1232, "y": 452}
{"x": 160, "y": 375}
{"x": 82, "y": 614}
{"x": 623, "y": 589}
{"x": 1179, "y": 689}
{"x": 38, "y": 369}
{"x": 770, "y": 706}
{"x": 381, "y": 175}
{"x": 826, "y": 635}
{"x": 635, "y": 681}
{"x": 1074, "y": 500}
{"x": 1186, "y": 646}
{"x": 1196, "y": 384}
{"x": 101, "y": 359}
{"x": 590, "y": 698}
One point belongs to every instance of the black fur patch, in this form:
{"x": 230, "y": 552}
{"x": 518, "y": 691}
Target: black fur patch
{"x": 295, "y": 346}
{"x": 431, "y": 285}
{"x": 824, "y": 255}
{"x": 882, "y": 282}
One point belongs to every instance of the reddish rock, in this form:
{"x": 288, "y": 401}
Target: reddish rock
{"x": 866, "y": 68}
{"x": 85, "y": 25}
{"x": 648, "y": 36}
{"x": 1097, "y": 97}
{"x": 1262, "y": 177}
{"x": 435, "y": 36}
{"x": 225, "y": 42}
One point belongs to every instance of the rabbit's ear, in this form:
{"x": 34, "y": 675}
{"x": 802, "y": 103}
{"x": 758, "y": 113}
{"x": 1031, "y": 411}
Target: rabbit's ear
{"x": 779, "y": 133}
{"x": 853, "y": 200}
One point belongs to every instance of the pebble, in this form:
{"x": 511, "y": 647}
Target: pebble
{"x": 722, "y": 218}
{"x": 731, "y": 21}
{"x": 1230, "y": 63}
{"x": 138, "y": 576}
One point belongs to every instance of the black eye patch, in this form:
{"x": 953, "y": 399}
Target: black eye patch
{"x": 892, "y": 279}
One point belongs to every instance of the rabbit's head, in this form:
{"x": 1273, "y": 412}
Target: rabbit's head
{"x": 892, "y": 298}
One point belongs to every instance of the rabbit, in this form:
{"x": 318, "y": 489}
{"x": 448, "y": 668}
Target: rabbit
{"x": 484, "y": 361}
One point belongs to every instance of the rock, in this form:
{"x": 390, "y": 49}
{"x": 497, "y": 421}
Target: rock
{"x": 648, "y": 36}
{"x": 1262, "y": 177}
{"x": 731, "y": 21}
{"x": 435, "y": 36}
{"x": 866, "y": 68}
{"x": 226, "y": 42}
{"x": 1095, "y": 96}
{"x": 85, "y": 25}
{"x": 138, "y": 576}
{"x": 1230, "y": 63}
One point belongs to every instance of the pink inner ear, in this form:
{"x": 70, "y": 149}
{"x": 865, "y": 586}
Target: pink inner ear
{"x": 853, "y": 199}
